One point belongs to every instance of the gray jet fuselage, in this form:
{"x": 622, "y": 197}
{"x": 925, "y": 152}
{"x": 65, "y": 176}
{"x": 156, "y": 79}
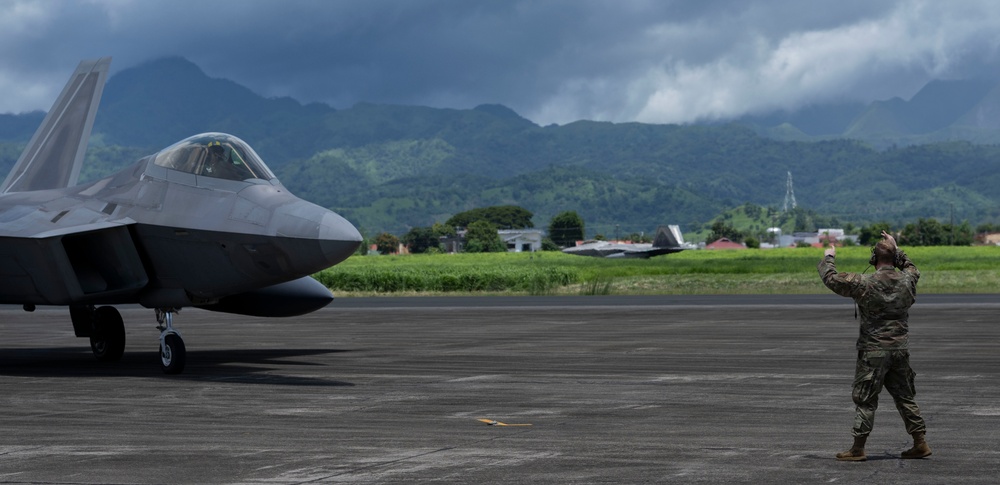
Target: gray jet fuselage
{"x": 201, "y": 223}
{"x": 165, "y": 234}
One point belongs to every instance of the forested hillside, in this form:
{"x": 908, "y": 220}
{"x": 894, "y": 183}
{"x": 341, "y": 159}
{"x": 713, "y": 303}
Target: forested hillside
{"x": 388, "y": 168}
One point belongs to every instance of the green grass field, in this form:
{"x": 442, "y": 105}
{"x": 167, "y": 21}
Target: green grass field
{"x": 771, "y": 271}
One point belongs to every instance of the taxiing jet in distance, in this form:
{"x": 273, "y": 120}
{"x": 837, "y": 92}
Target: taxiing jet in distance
{"x": 202, "y": 223}
{"x": 668, "y": 240}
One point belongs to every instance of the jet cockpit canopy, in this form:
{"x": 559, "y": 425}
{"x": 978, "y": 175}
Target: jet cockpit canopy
{"x": 216, "y": 155}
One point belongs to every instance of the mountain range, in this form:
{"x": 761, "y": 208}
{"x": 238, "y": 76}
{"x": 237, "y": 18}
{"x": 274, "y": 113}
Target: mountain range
{"x": 943, "y": 110}
{"x": 391, "y": 167}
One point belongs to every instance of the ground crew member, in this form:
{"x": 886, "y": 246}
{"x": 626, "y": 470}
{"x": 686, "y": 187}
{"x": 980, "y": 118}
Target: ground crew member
{"x": 883, "y": 299}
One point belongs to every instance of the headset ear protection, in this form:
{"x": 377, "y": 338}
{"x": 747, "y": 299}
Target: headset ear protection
{"x": 871, "y": 260}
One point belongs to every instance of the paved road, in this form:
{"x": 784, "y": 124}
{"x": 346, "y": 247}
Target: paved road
{"x": 616, "y": 390}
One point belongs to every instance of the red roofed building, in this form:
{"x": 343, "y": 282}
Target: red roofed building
{"x": 725, "y": 243}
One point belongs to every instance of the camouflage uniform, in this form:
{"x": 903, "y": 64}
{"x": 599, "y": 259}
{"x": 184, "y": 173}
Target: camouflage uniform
{"x": 884, "y": 299}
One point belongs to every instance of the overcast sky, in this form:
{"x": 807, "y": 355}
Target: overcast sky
{"x": 552, "y": 61}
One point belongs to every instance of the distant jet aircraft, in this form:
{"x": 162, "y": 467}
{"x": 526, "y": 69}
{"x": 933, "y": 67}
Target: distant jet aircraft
{"x": 668, "y": 240}
{"x": 202, "y": 223}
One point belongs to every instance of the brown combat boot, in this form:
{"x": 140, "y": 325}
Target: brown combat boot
{"x": 857, "y": 451}
{"x": 920, "y": 448}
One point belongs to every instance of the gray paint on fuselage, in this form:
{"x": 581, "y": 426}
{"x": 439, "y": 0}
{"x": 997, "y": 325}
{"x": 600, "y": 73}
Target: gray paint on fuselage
{"x": 203, "y": 222}
{"x": 238, "y": 235}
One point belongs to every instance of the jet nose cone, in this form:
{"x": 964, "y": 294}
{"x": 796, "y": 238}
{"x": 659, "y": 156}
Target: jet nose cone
{"x": 325, "y": 237}
{"x": 338, "y": 238}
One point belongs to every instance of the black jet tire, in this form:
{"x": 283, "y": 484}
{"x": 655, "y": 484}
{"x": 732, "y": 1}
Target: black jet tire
{"x": 108, "y": 341}
{"x": 173, "y": 354}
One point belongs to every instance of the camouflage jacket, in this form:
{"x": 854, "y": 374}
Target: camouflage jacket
{"x": 883, "y": 298}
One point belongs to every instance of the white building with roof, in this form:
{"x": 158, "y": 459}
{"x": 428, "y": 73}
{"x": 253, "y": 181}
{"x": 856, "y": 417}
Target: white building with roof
{"x": 521, "y": 240}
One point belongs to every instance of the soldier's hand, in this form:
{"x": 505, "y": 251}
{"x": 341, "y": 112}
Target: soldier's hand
{"x": 830, "y": 251}
{"x": 889, "y": 239}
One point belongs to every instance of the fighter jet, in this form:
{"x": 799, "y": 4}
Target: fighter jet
{"x": 668, "y": 240}
{"x": 202, "y": 223}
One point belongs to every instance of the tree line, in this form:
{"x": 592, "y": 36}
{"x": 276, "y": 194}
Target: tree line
{"x": 480, "y": 228}
{"x": 923, "y": 232}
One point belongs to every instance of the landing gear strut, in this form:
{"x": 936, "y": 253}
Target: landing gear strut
{"x": 172, "y": 352}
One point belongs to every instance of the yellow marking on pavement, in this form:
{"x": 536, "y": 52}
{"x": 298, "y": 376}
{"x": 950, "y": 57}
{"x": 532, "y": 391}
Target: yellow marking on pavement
{"x": 493, "y": 422}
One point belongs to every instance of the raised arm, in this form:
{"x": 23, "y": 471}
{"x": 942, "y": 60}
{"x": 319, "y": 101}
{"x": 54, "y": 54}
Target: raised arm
{"x": 843, "y": 284}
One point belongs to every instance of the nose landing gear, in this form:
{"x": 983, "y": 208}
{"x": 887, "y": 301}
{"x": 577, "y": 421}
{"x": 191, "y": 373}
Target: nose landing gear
{"x": 106, "y": 330}
{"x": 173, "y": 356}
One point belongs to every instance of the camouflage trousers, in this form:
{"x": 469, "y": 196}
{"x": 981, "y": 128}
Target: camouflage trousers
{"x": 891, "y": 369}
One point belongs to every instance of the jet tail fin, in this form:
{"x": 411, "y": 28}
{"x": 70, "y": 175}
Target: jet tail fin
{"x": 55, "y": 153}
{"x": 668, "y": 237}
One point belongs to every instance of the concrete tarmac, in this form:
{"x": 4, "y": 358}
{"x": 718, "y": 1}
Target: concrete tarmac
{"x": 603, "y": 389}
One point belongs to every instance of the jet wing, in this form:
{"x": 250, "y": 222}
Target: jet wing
{"x": 55, "y": 153}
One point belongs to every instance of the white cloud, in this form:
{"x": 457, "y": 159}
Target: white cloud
{"x": 915, "y": 39}
{"x": 22, "y": 19}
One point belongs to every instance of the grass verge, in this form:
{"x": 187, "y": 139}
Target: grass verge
{"x": 773, "y": 271}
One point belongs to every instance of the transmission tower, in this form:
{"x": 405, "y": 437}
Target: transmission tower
{"x": 789, "y": 194}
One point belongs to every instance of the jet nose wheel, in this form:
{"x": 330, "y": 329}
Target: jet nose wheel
{"x": 173, "y": 355}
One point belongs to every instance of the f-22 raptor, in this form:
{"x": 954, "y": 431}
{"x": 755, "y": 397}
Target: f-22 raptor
{"x": 202, "y": 223}
{"x": 668, "y": 240}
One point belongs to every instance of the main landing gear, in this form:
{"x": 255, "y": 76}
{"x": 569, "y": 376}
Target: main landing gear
{"x": 106, "y": 330}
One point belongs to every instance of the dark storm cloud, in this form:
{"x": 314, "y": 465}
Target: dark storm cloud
{"x": 552, "y": 61}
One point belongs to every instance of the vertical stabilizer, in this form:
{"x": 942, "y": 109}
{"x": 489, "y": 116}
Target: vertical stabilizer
{"x": 55, "y": 153}
{"x": 668, "y": 237}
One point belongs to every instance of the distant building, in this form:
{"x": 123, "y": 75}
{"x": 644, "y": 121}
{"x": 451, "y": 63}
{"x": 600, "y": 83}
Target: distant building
{"x": 725, "y": 243}
{"x": 401, "y": 249}
{"x": 454, "y": 244}
{"x": 810, "y": 238}
{"x": 992, "y": 238}
{"x": 517, "y": 240}
{"x": 819, "y": 238}
{"x": 521, "y": 240}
